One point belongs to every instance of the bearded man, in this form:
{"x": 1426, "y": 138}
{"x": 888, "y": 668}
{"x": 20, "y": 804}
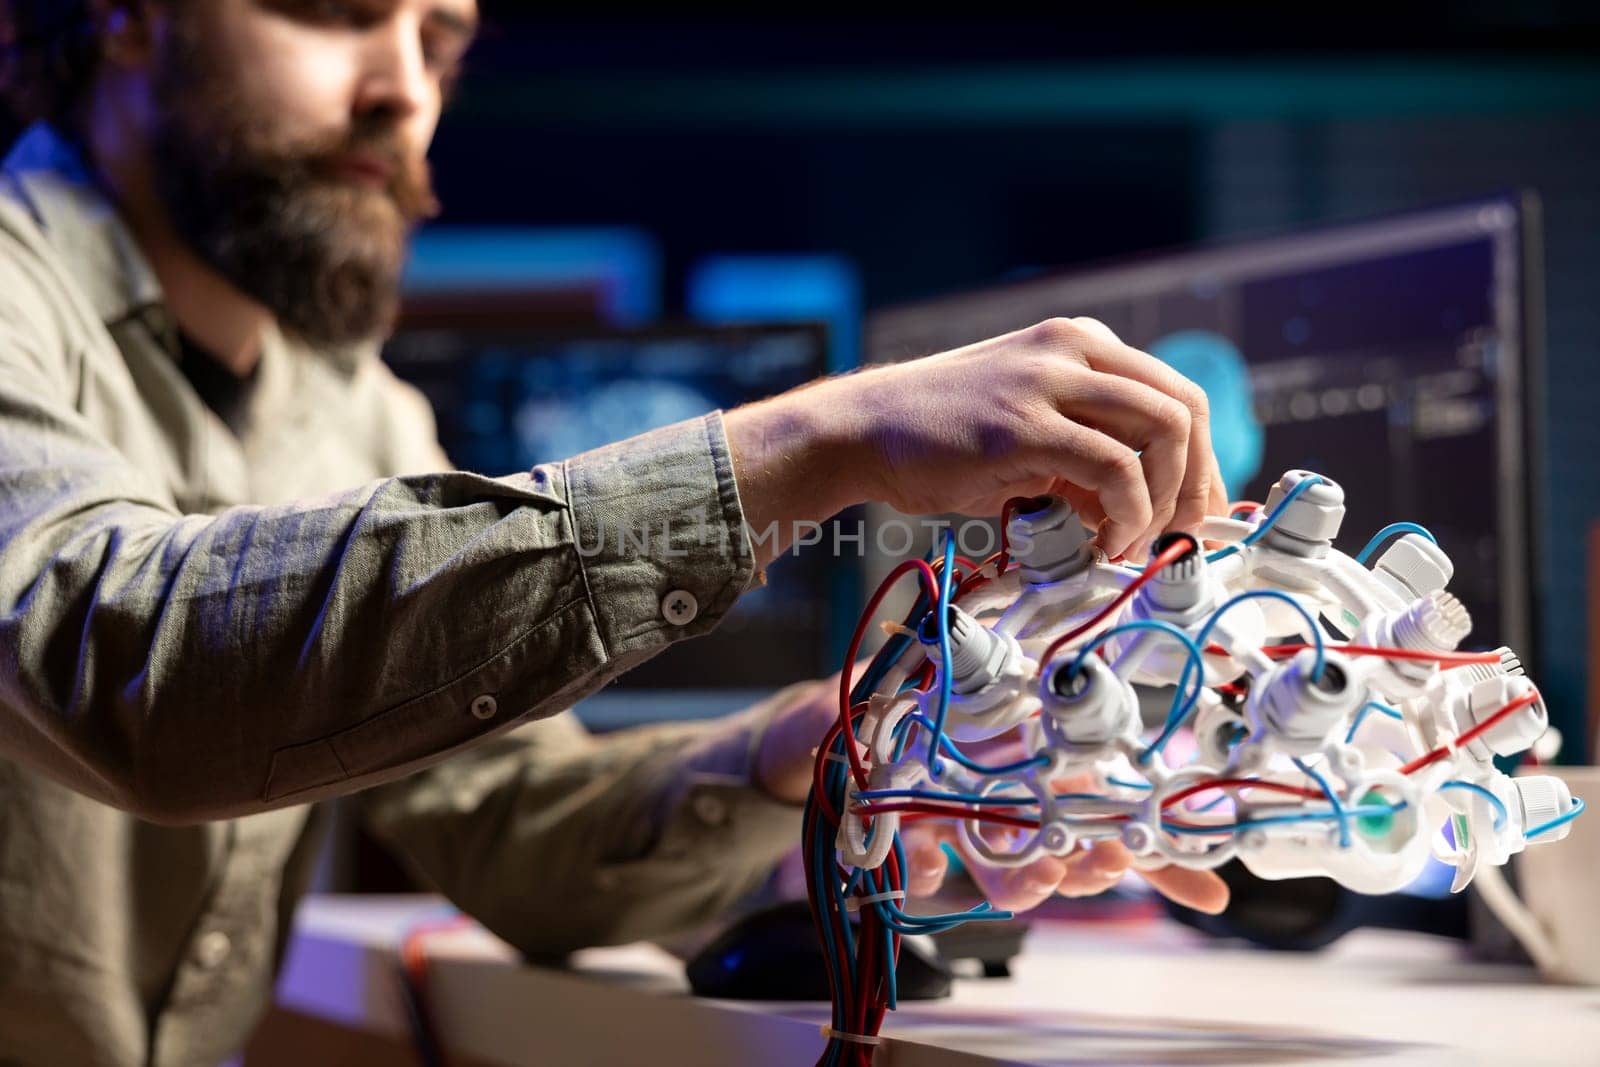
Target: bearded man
{"x": 238, "y": 576}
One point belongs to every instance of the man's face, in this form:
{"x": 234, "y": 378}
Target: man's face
{"x": 289, "y": 142}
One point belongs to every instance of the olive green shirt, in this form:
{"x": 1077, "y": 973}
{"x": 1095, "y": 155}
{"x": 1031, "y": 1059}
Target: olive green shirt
{"x": 203, "y": 632}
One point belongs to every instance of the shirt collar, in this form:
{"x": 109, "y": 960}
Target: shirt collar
{"x": 52, "y": 180}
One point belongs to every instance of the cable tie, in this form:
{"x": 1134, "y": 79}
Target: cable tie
{"x": 839, "y": 1035}
{"x": 857, "y": 903}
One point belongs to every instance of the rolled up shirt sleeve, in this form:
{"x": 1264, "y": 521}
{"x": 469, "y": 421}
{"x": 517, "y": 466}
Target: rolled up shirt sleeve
{"x": 189, "y": 667}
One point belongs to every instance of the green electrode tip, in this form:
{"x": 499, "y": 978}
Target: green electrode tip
{"x": 1374, "y": 825}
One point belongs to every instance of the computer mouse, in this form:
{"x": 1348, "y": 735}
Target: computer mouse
{"x": 774, "y": 954}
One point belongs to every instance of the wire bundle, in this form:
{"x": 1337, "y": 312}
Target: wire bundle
{"x": 858, "y": 910}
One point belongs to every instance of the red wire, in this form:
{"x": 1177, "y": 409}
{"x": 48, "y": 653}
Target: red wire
{"x": 1005, "y": 522}
{"x": 1172, "y": 552}
{"x": 1239, "y": 783}
{"x": 1472, "y": 734}
{"x": 923, "y": 807}
{"x": 930, "y": 810}
{"x": 977, "y": 579}
{"x": 846, "y": 683}
{"x": 1454, "y": 659}
{"x": 817, "y": 769}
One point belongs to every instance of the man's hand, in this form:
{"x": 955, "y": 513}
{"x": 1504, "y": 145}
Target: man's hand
{"x": 1063, "y": 407}
{"x": 785, "y": 762}
{"x": 784, "y": 768}
{"x": 1083, "y": 873}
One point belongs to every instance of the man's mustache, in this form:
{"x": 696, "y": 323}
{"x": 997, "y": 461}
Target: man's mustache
{"x": 410, "y": 183}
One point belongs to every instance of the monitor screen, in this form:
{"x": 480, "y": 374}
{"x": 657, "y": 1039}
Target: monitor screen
{"x": 1387, "y": 355}
{"x": 506, "y": 400}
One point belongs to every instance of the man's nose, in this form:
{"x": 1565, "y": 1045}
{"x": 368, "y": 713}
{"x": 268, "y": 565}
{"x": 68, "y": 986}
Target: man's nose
{"x": 394, "y": 75}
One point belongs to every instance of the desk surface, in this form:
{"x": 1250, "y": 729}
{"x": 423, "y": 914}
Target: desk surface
{"x": 1128, "y": 994}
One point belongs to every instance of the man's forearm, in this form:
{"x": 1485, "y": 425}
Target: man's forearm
{"x": 558, "y": 840}
{"x": 196, "y": 667}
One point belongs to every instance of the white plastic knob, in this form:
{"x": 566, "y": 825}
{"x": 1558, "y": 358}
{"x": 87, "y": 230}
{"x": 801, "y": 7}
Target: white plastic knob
{"x": 1509, "y": 664}
{"x": 1049, "y": 544}
{"x": 1510, "y": 735}
{"x": 1544, "y": 797}
{"x": 1180, "y": 585}
{"x": 1088, "y": 709}
{"x": 1434, "y": 623}
{"x": 977, "y": 653}
{"x": 1313, "y": 518}
{"x": 1298, "y": 708}
{"x": 1414, "y": 567}
{"x": 1437, "y": 622}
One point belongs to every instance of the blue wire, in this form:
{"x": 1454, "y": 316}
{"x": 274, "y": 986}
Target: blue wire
{"x": 1137, "y": 624}
{"x": 1500, "y": 813}
{"x": 934, "y": 766}
{"x": 1560, "y": 820}
{"x": 835, "y": 782}
{"x": 904, "y": 923}
{"x": 1361, "y": 716}
{"x": 1129, "y": 785}
{"x": 955, "y": 753}
{"x": 1383, "y": 534}
{"x": 821, "y": 879}
{"x": 1278, "y": 820}
{"x": 968, "y": 798}
{"x": 1176, "y": 717}
{"x": 933, "y": 794}
{"x": 1190, "y": 646}
{"x": 1333, "y": 800}
{"x": 889, "y": 964}
{"x": 1266, "y": 524}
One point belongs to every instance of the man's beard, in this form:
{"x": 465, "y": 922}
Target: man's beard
{"x": 272, "y": 216}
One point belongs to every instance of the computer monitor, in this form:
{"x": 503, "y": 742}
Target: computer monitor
{"x": 506, "y": 400}
{"x": 1392, "y": 355}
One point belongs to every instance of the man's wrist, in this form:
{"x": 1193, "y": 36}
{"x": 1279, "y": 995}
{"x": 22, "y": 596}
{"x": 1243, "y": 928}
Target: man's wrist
{"x": 793, "y": 462}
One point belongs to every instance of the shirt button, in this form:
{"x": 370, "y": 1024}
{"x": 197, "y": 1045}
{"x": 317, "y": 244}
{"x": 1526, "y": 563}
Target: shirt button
{"x": 679, "y": 607}
{"x": 484, "y": 706}
{"x": 712, "y": 810}
{"x": 212, "y": 948}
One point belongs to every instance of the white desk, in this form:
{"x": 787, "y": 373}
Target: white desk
{"x": 1082, "y": 994}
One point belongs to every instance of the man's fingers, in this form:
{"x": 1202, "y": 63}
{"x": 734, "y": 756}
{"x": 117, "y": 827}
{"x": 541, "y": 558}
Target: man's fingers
{"x": 1147, "y": 420}
{"x": 1099, "y": 462}
{"x": 1084, "y": 502}
{"x": 1011, "y": 888}
{"x": 1019, "y": 888}
{"x": 927, "y": 864}
{"x": 1200, "y": 890}
{"x": 1095, "y": 869}
{"x": 1218, "y": 504}
{"x": 1109, "y": 355}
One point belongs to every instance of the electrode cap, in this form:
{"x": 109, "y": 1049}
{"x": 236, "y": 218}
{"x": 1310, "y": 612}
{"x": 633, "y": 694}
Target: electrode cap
{"x": 1414, "y": 567}
{"x": 1315, "y": 515}
{"x": 1544, "y": 797}
{"x": 1049, "y": 542}
{"x": 1513, "y": 734}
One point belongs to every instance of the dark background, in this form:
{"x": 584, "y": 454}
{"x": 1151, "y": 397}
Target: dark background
{"x": 940, "y": 152}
